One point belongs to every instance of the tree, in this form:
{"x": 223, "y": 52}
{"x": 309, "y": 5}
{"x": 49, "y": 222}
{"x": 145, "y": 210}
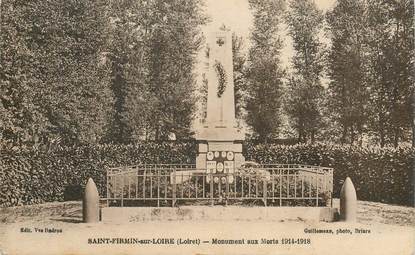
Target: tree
{"x": 239, "y": 80}
{"x": 171, "y": 77}
{"x": 305, "y": 91}
{"x": 391, "y": 42}
{"x": 55, "y": 83}
{"x": 347, "y": 67}
{"x": 72, "y": 44}
{"x": 264, "y": 72}
{"x": 153, "y": 60}
{"x": 128, "y": 54}
{"x": 22, "y": 122}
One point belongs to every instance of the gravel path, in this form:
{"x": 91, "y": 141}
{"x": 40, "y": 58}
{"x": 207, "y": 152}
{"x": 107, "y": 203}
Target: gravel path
{"x": 391, "y": 232}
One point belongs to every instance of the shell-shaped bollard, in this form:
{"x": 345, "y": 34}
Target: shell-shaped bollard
{"x": 348, "y": 202}
{"x": 90, "y": 203}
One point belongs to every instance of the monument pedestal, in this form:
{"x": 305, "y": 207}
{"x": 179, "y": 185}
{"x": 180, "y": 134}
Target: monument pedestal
{"x": 213, "y": 146}
{"x": 220, "y": 139}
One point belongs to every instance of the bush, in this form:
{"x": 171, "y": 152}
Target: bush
{"x": 35, "y": 176}
{"x": 379, "y": 174}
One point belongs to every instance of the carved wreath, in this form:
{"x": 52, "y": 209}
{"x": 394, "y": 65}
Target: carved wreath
{"x": 220, "y": 72}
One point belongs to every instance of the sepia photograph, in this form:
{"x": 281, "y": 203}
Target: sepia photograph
{"x": 207, "y": 127}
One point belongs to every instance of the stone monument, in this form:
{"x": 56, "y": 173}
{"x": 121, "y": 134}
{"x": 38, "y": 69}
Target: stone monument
{"x": 220, "y": 140}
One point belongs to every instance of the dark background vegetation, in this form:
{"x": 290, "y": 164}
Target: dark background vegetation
{"x": 96, "y": 72}
{"x": 89, "y": 84}
{"x": 379, "y": 174}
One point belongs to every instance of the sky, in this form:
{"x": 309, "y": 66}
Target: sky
{"x": 236, "y": 15}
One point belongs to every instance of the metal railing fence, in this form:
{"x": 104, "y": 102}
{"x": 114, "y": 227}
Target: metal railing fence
{"x": 168, "y": 185}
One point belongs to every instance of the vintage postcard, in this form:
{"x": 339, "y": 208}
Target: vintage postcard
{"x": 207, "y": 127}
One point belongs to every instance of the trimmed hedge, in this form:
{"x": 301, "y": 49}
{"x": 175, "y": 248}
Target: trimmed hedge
{"x": 379, "y": 174}
{"x": 36, "y": 177}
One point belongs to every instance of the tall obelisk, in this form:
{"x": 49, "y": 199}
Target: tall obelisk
{"x": 220, "y": 141}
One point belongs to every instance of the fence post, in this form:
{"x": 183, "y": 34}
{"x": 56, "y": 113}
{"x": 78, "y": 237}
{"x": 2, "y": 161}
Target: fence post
{"x": 317, "y": 177}
{"x": 108, "y": 188}
{"x": 227, "y": 190}
{"x": 211, "y": 188}
{"x": 280, "y": 170}
{"x": 325, "y": 188}
{"x": 122, "y": 187}
{"x": 174, "y": 188}
{"x": 265, "y": 191}
{"x": 158, "y": 187}
{"x": 331, "y": 188}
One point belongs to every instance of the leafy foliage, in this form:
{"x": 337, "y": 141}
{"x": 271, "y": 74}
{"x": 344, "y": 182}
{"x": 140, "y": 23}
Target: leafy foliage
{"x": 153, "y": 63}
{"x": 53, "y": 78}
{"x": 239, "y": 75}
{"x": 76, "y": 72}
{"x": 305, "y": 92}
{"x": 379, "y": 174}
{"x": 369, "y": 62}
{"x": 264, "y": 72}
{"x": 390, "y": 79}
{"x": 347, "y": 63}
{"x": 36, "y": 176}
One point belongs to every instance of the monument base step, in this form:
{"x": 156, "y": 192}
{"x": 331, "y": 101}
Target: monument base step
{"x": 228, "y": 213}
